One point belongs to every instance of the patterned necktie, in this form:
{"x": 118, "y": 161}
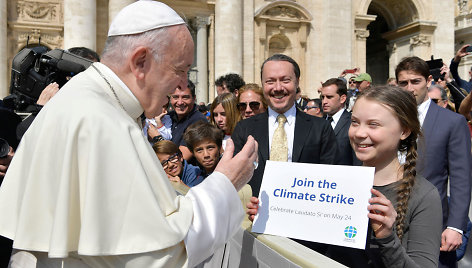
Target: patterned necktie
{"x": 279, "y": 147}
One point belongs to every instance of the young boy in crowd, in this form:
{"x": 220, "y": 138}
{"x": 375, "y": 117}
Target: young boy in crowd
{"x": 175, "y": 166}
{"x": 204, "y": 140}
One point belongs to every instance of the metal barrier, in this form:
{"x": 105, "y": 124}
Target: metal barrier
{"x": 247, "y": 249}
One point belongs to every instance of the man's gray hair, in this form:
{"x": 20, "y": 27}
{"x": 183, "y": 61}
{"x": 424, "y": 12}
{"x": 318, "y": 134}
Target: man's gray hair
{"x": 117, "y": 48}
{"x": 441, "y": 89}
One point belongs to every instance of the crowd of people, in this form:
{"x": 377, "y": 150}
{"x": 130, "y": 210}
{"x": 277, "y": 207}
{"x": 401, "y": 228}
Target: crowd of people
{"x": 90, "y": 187}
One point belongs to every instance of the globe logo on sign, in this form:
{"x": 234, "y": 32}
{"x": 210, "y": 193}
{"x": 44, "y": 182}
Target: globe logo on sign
{"x": 350, "y": 232}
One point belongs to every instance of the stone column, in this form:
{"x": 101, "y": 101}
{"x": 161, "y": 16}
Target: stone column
{"x": 361, "y": 33}
{"x": 211, "y": 59}
{"x": 114, "y": 6}
{"x": 80, "y": 23}
{"x": 3, "y": 50}
{"x": 392, "y": 58}
{"x": 248, "y": 43}
{"x": 228, "y": 36}
{"x": 261, "y": 45}
{"x": 361, "y": 50}
{"x": 201, "y": 24}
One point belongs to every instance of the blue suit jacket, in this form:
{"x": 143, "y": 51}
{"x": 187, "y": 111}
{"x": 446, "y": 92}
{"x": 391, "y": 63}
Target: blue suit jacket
{"x": 314, "y": 142}
{"x": 444, "y": 154}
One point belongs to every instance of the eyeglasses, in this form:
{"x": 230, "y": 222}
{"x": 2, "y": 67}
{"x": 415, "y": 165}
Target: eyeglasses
{"x": 254, "y": 105}
{"x": 436, "y": 100}
{"x": 311, "y": 107}
{"x": 173, "y": 159}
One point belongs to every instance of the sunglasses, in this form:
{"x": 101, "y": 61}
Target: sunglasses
{"x": 352, "y": 82}
{"x": 254, "y": 105}
{"x": 436, "y": 100}
{"x": 173, "y": 159}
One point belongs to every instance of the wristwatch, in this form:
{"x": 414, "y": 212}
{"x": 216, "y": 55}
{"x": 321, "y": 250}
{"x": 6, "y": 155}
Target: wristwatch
{"x": 157, "y": 139}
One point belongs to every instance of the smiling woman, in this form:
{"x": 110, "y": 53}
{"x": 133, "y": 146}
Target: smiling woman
{"x": 405, "y": 228}
{"x": 251, "y": 101}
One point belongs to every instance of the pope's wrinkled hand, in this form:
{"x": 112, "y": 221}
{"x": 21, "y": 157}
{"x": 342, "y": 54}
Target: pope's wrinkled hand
{"x": 239, "y": 169}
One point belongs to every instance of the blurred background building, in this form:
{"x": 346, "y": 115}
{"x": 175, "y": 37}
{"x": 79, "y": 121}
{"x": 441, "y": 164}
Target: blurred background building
{"x": 324, "y": 37}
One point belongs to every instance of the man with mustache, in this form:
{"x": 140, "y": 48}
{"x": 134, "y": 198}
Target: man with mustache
{"x": 309, "y": 139}
{"x": 305, "y": 138}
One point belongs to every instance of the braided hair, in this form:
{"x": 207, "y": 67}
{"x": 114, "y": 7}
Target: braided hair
{"x": 403, "y": 105}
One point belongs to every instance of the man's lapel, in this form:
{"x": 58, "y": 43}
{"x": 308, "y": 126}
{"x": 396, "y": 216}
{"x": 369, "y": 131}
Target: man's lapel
{"x": 343, "y": 120}
{"x": 429, "y": 120}
{"x": 302, "y": 129}
{"x": 262, "y": 135}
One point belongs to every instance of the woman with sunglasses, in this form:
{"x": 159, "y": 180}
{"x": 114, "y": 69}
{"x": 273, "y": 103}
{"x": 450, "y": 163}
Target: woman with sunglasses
{"x": 175, "y": 166}
{"x": 251, "y": 101}
{"x": 224, "y": 114}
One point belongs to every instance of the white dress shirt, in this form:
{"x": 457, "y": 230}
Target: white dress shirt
{"x": 423, "y": 110}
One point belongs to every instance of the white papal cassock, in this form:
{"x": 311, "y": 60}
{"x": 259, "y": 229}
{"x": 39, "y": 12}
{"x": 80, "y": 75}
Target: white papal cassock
{"x": 86, "y": 189}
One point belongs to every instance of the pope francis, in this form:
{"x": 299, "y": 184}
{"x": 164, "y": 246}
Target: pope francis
{"x": 85, "y": 189}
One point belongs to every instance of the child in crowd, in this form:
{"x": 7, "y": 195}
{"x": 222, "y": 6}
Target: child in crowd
{"x": 204, "y": 140}
{"x": 176, "y": 168}
{"x": 405, "y": 209}
{"x": 224, "y": 114}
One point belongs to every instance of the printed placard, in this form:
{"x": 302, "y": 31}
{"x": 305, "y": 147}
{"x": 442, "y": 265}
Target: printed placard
{"x": 320, "y": 203}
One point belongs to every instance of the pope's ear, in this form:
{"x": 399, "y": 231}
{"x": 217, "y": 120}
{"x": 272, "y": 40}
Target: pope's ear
{"x": 140, "y": 62}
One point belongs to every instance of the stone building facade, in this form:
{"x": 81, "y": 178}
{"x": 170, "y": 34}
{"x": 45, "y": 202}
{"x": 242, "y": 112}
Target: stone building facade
{"x": 324, "y": 37}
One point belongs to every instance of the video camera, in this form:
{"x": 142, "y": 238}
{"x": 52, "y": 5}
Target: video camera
{"x": 35, "y": 68}
{"x": 435, "y": 66}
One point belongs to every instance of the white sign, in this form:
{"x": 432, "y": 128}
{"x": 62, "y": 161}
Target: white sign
{"x": 320, "y": 203}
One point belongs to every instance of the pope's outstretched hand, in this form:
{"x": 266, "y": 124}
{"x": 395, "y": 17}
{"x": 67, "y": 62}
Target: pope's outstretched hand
{"x": 239, "y": 169}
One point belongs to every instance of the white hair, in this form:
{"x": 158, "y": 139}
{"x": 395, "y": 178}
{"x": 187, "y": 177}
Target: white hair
{"x": 118, "y": 48}
{"x": 441, "y": 89}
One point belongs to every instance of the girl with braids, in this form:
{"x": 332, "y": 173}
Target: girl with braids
{"x": 405, "y": 209}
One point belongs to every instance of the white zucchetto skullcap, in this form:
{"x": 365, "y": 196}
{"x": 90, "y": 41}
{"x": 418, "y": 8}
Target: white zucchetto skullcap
{"x": 143, "y": 16}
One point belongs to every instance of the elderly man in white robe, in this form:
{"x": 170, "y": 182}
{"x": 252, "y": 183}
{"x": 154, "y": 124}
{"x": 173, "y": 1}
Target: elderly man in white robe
{"x": 85, "y": 189}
